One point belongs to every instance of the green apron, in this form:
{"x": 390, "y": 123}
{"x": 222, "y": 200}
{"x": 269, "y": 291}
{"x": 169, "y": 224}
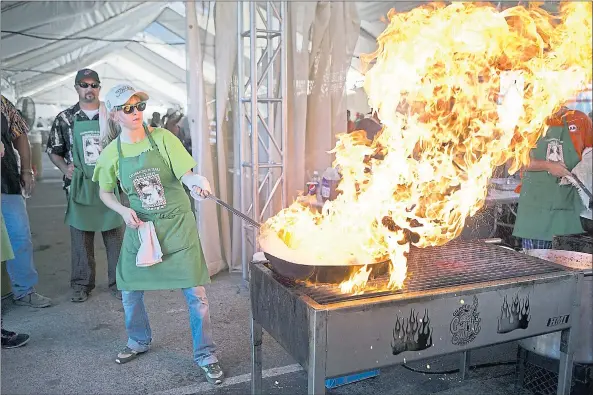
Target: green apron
{"x": 85, "y": 209}
{"x": 547, "y": 209}
{"x": 156, "y": 195}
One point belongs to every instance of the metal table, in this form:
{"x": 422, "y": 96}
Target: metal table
{"x": 457, "y": 297}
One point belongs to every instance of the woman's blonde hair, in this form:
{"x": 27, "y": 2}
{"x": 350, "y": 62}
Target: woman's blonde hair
{"x": 109, "y": 129}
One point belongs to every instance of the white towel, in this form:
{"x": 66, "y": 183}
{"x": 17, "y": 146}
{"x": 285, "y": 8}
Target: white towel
{"x": 149, "y": 252}
{"x": 583, "y": 171}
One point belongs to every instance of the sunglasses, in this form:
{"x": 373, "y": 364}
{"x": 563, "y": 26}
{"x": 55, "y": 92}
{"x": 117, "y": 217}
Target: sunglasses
{"x": 85, "y": 85}
{"x": 129, "y": 108}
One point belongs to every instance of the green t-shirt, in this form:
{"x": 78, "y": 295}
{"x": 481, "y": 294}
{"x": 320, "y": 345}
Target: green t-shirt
{"x": 170, "y": 147}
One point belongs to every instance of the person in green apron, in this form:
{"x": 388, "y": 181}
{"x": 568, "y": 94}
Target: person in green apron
{"x": 152, "y": 165}
{"x": 74, "y": 147}
{"x": 546, "y": 208}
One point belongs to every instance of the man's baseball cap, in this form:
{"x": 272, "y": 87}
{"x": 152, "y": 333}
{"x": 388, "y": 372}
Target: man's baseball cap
{"x": 86, "y": 73}
{"x": 120, "y": 94}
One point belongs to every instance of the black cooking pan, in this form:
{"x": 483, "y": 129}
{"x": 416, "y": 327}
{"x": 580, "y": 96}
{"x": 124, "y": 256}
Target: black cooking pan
{"x": 318, "y": 274}
{"x": 332, "y": 274}
{"x": 322, "y": 274}
{"x": 296, "y": 272}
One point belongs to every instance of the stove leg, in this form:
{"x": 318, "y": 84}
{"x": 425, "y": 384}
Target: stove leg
{"x": 256, "y": 358}
{"x": 566, "y": 359}
{"x": 464, "y": 364}
{"x": 521, "y": 357}
{"x": 568, "y": 339}
{"x": 317, "y": 355}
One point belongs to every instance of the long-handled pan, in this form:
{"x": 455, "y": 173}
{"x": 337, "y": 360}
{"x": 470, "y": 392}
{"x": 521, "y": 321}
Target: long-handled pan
{"x": 295, "y": 271}
{"x": 317, "y": 274}
{"x": 235, "y": 211}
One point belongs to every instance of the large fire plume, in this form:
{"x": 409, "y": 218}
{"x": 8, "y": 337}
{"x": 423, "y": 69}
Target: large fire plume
{"x": 436, "y": 81}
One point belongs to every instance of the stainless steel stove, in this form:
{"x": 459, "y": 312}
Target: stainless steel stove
{"x": 457, "y": 297}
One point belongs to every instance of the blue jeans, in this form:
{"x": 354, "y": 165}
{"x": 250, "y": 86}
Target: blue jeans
{"x": 21, "y": 270}
{"x": 140, "y": 335}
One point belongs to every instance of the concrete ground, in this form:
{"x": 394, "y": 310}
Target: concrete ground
{"x": 73, "y": 346}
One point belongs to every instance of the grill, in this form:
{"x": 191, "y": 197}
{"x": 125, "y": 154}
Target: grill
{"x": 452, "y": 265}
{"x": 457, "y": 297}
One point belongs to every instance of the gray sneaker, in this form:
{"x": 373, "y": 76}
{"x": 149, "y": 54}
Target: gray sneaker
{"x": 33, "y": 300}
{"x": 79, "y": 296}
{"x": 213, "y": 373}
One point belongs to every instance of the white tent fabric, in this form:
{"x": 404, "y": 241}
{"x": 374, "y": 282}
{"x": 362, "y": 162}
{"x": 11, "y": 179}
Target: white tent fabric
{"x": 47, "y": 57}
{"x": 198, "y": 123}
{"x": 318, "y": 70}
{"x": 33, "y": 61}
{"x": 227, "y": 187}
{"x": 45, "y": 43}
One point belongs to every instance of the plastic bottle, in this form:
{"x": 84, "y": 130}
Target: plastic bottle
{"x": 313, "y": 185}
{"x": 317, "y": 179}
{"x": 329, "y": 182}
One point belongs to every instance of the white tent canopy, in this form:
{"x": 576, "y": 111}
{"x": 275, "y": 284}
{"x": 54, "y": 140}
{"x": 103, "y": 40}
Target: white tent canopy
{"x": 45, "y": 43}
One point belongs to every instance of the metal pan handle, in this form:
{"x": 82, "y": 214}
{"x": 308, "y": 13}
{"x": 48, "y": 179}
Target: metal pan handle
{"x": 234, "y": 211}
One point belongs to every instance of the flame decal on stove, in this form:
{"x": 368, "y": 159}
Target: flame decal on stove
{"x": 411, "y": 334}
{"x": 517, "y": 316}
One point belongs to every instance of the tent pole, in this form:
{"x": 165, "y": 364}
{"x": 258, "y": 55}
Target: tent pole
{"x": 262, "y": 116}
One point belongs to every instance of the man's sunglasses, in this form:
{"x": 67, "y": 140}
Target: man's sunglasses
{"x": 129, "y": 108}
{"x": 85, "y": 85}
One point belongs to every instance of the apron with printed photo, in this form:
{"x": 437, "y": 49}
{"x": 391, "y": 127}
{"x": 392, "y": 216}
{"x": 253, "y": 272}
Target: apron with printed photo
{"x": 85, "y": 209}
{"x": 547, "y": 209}
{"x": 156, "y": 195}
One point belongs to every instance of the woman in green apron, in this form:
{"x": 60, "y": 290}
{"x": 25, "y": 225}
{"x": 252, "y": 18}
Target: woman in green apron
{"x": 151, "y": 165}
{"x": 547, "y": 209}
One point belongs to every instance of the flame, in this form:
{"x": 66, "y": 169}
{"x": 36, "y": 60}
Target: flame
{"x": 357, "y": 282}
{"x": 460, "y": 90}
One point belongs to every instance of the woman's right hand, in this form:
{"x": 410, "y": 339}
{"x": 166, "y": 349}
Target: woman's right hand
{"x": 130, "y": 218}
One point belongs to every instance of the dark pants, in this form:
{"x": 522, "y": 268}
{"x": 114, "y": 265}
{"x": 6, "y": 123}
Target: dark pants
{"x": 82, "y": 277}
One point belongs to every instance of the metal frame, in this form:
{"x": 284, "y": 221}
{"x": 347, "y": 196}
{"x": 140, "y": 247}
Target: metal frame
{"x": 262, "y": 97}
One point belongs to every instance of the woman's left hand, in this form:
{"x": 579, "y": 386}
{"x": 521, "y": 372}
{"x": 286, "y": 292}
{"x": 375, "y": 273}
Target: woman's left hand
{"x": 203, "y": 193}
{"x": 198, "y": 186}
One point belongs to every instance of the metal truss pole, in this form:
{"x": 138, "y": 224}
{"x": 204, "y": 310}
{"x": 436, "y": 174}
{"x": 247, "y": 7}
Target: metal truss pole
{"x": 262, "y": 115}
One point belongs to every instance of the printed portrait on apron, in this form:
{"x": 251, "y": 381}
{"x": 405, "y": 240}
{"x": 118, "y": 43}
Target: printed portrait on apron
{"x": 150, "y": 191}
{"x": 91, "y": 148}
{"x": 554, "y": 152}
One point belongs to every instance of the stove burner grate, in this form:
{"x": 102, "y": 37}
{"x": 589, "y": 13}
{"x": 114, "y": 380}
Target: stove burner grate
{"x": 457, "y": 263}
